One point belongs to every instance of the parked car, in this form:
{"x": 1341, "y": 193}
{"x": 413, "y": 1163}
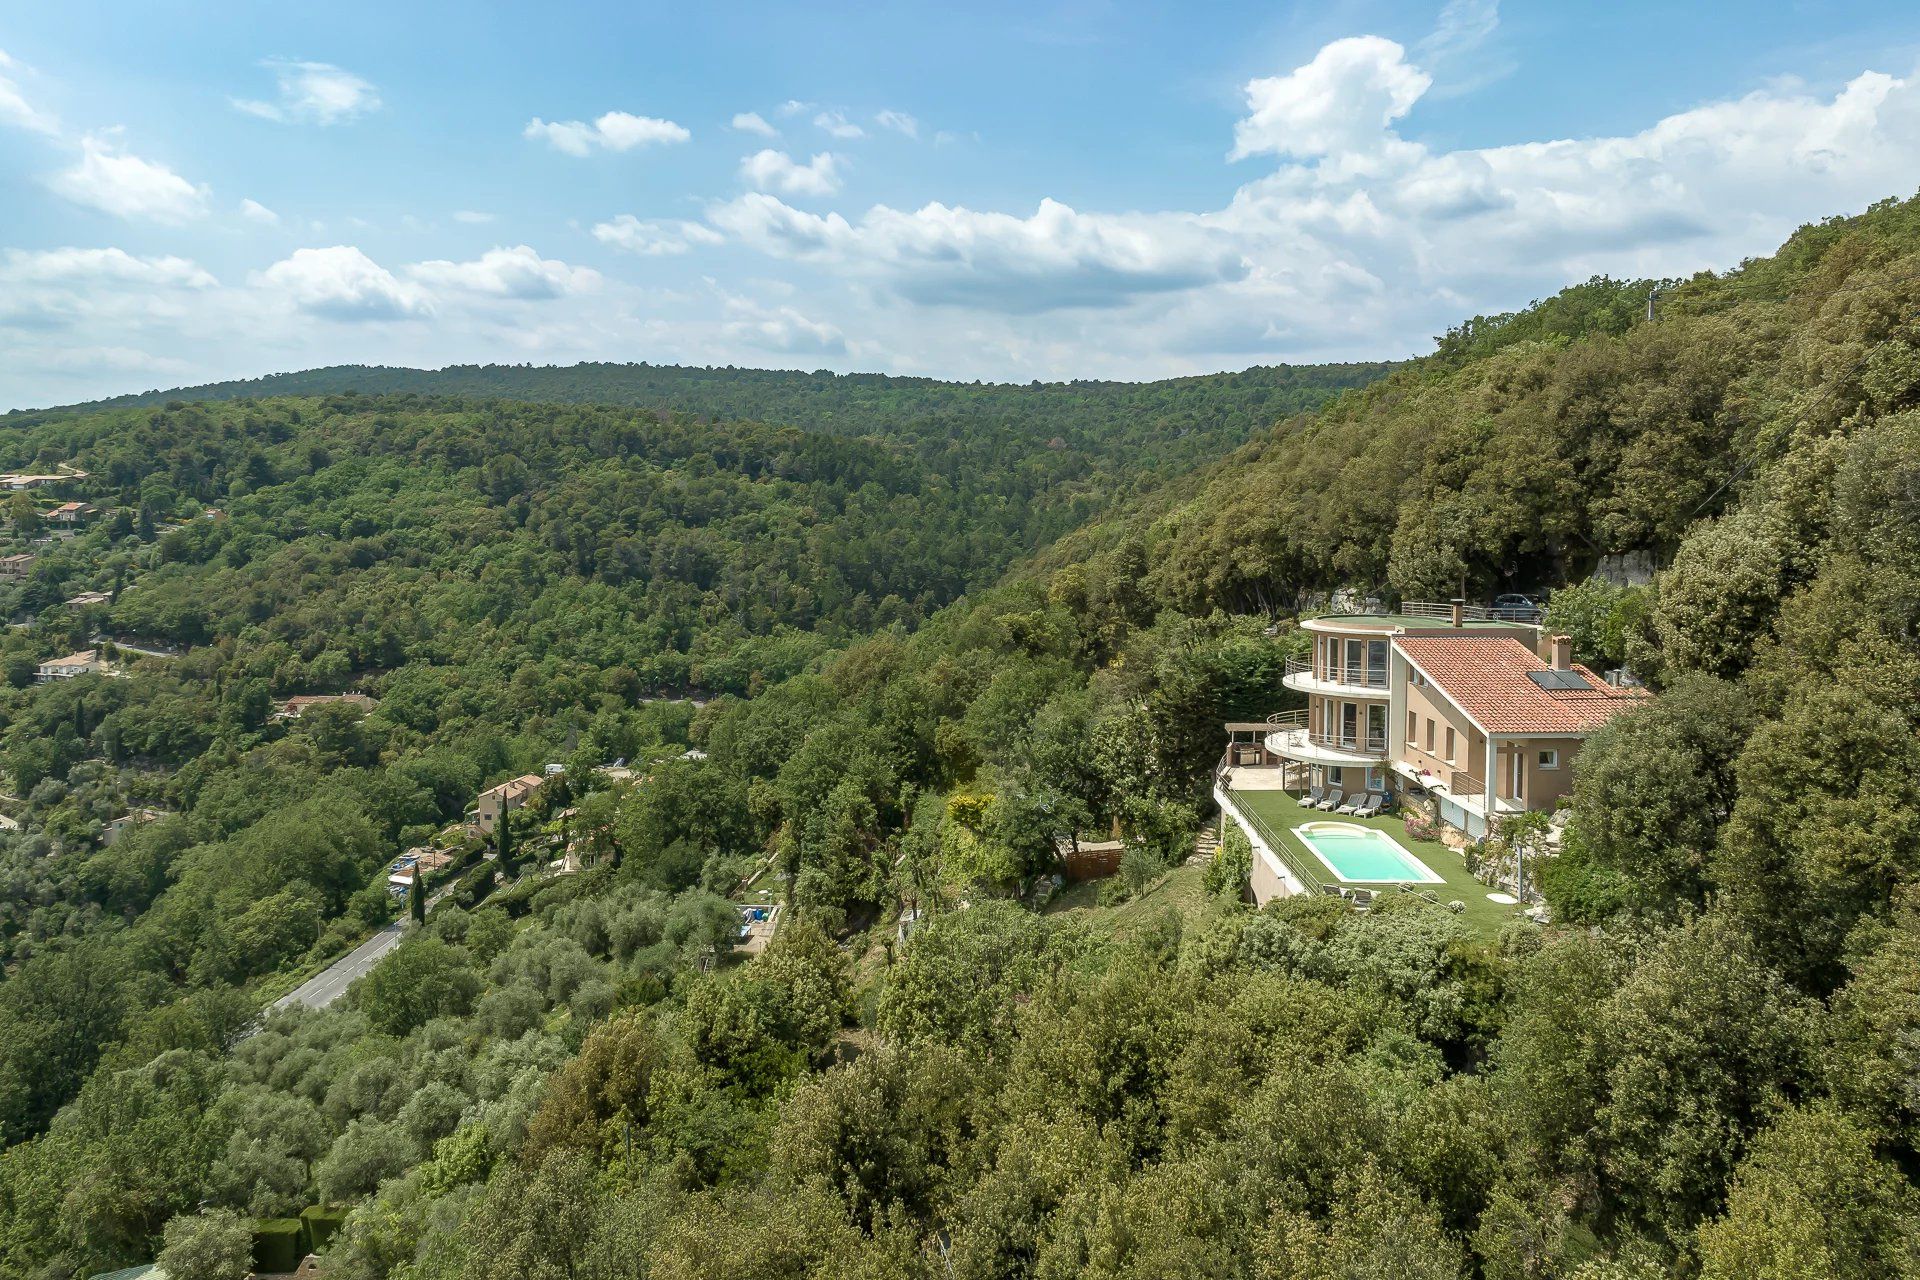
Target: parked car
{"x": 1514, "y": 607}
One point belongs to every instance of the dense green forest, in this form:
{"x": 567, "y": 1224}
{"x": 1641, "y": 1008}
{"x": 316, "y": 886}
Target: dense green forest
{"x": 1704, "y": 1066}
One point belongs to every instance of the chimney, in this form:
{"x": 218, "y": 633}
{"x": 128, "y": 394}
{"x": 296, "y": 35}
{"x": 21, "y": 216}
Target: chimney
{"x": 1459, "y": 612}
{"x": 1562, "y": 653}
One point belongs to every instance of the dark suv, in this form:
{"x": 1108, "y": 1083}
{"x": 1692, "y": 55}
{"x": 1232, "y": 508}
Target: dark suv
{"x": 1515, "y": 608}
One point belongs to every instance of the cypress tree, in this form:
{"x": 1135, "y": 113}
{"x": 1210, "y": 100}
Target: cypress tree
{"x": 417, "y": 897}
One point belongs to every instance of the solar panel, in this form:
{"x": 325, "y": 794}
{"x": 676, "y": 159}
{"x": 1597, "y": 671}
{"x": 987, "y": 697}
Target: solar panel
{"x": 1559, "y": 679}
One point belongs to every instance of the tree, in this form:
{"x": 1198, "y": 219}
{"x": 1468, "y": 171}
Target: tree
{"x": 1810, "y": 1201}
{"x": 422, "y": 979}
{"x": 417, "y": 897}
{"x": 1652, "y": 788}
{"x": 215, "y": 1245}
{"x": 1705, "y": 1046}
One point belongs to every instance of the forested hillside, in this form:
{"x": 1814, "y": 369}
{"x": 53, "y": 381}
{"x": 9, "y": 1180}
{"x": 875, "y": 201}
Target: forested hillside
{"x": 1704, "y": 1067}
{"x": 1094, "y": 440}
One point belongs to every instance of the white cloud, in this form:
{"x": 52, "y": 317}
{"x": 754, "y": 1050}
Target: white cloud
{"x": 781, "y": 329}
{"x": 1341, "y": 101}
{"x": 949, "y": 255}
{"x": 772, "y": 170}
{"x": 15, "y": 111}
{"x": 898, "y": 121}
{"x": 654, "y": 238}
{"x": 754, "y": 122}
{"x": 114, "y": 181}
{"x": 472, "y": 217}
{"x": 254, "y": 211}
{"x": 794, "y": 107}
{"x": 614, "y": 131}
{"x": 836, "y": 124}
{"x": 312, "y": 93}
{"x": 518, "y": 273}
{"x": 55, "y": 291}
{"x": 342, "y": 283}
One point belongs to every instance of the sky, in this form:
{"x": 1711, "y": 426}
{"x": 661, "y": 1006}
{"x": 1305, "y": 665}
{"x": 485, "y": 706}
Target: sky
{"x": 192, "y": 192}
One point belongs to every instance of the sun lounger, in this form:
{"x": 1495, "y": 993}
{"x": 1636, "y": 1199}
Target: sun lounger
{"x": 1353, "y": 804}
{"x": 1372, "y": 805}
{"x": 1312, "y": 799}
{"x": 1332, "y": 799}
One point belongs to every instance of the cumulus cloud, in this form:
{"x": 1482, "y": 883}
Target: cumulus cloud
{"x": 115, "y": 181}
{"x": 472, "y": 217}
{"x": 614, "y": 131}
{"x": 943, "y": 254}
{"x": 754, "y": 122}
{"x": 1341, "y": 101}
{"x": 898, "y": 121}
{"x": 52, "y": 289}
{"x": 342, "y": 283}
{"x": 518, "y": 273}
{"x": 781, "y": 329}
{"x": 15, "y": 111}
{"x": 654, "y": 238}
{"x": 772, "y": 170}
{"x": 836, "y": 124}
{"x": 312, "y": 93}
{"x": 254, "y": 211}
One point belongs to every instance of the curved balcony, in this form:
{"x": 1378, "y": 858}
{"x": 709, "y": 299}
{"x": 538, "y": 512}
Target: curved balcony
{"x": 1292, "y": 739}
{"x": 1335, "y": 681}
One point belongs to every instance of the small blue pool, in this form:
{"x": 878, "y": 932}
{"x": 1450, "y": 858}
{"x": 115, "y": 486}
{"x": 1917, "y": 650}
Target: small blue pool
{"x": 1363, "y": 855}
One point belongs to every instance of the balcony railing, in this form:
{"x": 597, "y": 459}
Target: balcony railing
{"x": 1357, "y": 674}
{"x": 1462, "y": 783}
{"x": 1294, "y": 724}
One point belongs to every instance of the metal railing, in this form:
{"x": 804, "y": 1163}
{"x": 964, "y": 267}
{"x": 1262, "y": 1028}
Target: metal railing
{"x": 1442, "y": 611}
{"x": 1357, "y": 674}
{"x": 1311, "y": 876}
{"x": 1294, "y": 725}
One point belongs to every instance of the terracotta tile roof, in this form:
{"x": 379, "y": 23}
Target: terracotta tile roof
{"x": 1486, "y": 677}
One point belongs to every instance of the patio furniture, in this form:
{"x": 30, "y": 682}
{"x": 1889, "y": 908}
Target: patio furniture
{"x": 1332, "y": 799}
{"x": 1362, "y": 898}
{"x": 1371, "y": 806}
{"x": 1312, "y": 799}
{"x": 1353, "y": 804}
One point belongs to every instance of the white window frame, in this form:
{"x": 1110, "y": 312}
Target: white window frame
{"x": 1547, "y": 758}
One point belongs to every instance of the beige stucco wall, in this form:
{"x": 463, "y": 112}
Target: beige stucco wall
{"x": 1470, "y": 747}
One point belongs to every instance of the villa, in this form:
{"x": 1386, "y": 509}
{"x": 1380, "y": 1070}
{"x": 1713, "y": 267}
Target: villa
{"x": 78, "y": 664}
{"x": 1473, "y": 717}
{"x": 497, "y": 800}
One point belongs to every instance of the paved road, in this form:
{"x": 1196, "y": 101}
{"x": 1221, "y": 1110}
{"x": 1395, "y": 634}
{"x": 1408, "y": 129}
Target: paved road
{"x": 331, "y": 983}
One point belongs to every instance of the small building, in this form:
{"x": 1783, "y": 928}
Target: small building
{"x": 89, "y": 599}
{"x": 292, "y": 708}
{"x": 496, "y": 800}
{"x": 71, "y": 512}
{"x": 117, "y": 827}
{"x": 16, "y": 567}
{"x": 74, "y": 664}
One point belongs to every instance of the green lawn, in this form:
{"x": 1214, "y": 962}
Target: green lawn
{"x": 1278, "y": 813}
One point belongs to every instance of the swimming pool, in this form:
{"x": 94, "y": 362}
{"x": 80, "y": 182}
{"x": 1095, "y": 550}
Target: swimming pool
{"x": 1363, "y": 855}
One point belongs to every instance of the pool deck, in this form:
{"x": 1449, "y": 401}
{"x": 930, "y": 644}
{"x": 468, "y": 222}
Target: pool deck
{"x": 1278, "y": 813}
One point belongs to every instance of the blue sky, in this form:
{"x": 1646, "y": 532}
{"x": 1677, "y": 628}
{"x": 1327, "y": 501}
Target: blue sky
{"x": 198, "y": 191}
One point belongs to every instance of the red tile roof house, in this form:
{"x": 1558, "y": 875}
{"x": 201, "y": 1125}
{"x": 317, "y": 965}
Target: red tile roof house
{"x": 497, "y": 800}
{"x": 1460, "y": 706}
{"x": 292, "y": 708}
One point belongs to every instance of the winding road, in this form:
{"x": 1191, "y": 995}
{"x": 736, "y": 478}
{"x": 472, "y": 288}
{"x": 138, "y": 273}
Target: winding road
{"x": 323, "y": 988}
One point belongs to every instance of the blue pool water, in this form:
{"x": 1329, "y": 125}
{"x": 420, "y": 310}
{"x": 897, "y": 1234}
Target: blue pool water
{"x": 1363, "y": 855}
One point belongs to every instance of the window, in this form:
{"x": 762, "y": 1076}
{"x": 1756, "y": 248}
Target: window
{"x": 1429, "y": 736}
{"x": 1449, "y": 744}
{"x": 1549, "y": 759}
{"x": 1413, "y": 727}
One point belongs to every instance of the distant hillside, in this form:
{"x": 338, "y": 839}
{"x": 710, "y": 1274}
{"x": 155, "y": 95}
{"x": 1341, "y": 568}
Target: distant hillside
{"x": 1144, "y": 428}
